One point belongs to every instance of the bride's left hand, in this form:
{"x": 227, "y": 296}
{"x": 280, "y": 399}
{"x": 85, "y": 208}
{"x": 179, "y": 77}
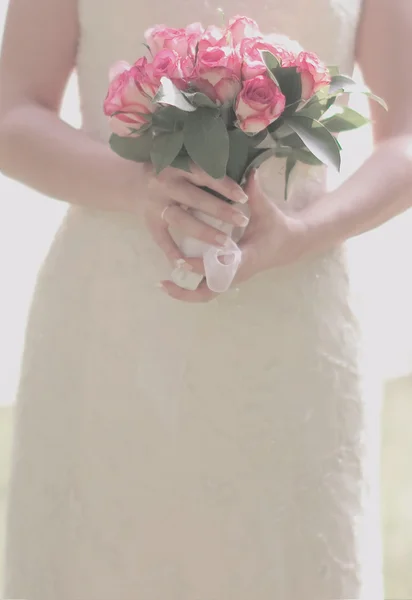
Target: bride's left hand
{"x": 272, "y": 239}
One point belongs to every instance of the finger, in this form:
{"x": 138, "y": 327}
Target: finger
{"x": 187, "y": 194}
{"x": 202, "y": 294}
{"x": 259, "y": 202}
{"x": 196, "y": 264}
{"x": 249, "y": 262}
{"x": 225, "y": 186}
{"x": 186, "y": 223}
{"x": 161, "y": 236}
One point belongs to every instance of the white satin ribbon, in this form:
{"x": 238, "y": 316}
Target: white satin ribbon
{"x": 221, "y": 264}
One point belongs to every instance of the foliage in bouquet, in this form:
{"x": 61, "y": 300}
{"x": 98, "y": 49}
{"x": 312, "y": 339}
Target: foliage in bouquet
{"x": 228, "y": 99}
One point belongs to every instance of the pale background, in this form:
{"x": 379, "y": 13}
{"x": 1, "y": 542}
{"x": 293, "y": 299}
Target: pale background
{"x": 383, "y": 289}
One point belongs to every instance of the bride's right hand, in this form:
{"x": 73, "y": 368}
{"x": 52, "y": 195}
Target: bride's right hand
{"x": 171, "y": 193}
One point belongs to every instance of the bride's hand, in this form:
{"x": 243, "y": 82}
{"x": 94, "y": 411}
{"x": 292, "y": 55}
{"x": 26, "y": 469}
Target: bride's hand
{"x": 272, "y": 239}
{"x": 171, "y": 193}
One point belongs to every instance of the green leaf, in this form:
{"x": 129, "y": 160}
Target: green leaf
{"x": 238, "y": 154}
{"x": 271, "y": 63}
{"x": 198, "y": 99}
{"x": 330, "y": 102}
{"x": 257, "y": 138}
{"x": 141, "y": 129}
{"x": 133, "y": 148}
{"x": 290, "y": 109}
{"x": 341, "y": 84}
{"x": 270, "y": 60}
{"x": 306, "y": 157}
{"x": 333, "y": 70}
{"x": 147, "y": 48}
{"x": 322, "y": 100}
{"x": 317, "y": 139}
{"x": 290, "y": 164}
{"x": 343, "y": 118}
{"x": 196, "y": 52}
{"x": 283, "y": 152}
{"x": 168, "y": 118}
{"x": 169, "y": 94}
{"x": 282, "y": 131}
{"x": 270, "y": 72}
{"x": 165, "y": 148}
{"x": 259, "y": 158}
{"x": 290, "y": 83}
{"x": 317, "y": 105}
{"x": 182, "y": 162}
{"x": 313, "y": 110}
{"x": 289, "y": 138}
{"x": 228, "y": 115}
{"x": 276, "y": 125}
{"x": 207, "y": 141}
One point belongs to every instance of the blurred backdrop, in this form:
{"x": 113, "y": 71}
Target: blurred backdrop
{"x": 383, "y": 290}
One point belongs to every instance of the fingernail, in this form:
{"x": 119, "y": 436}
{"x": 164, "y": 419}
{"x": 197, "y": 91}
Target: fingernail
{"x": 241, "y": 197}
{"x": 222, "y": 240}
{"x": 160, "y": 285}
{"x": 240, "y": 219}
{"x": 182, "y": 264}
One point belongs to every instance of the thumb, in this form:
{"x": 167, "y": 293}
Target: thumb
{"x": 259, "y": 203}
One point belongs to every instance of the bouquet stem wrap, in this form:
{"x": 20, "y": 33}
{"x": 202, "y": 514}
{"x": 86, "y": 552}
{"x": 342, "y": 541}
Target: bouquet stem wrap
{"x": 221, "y": 264}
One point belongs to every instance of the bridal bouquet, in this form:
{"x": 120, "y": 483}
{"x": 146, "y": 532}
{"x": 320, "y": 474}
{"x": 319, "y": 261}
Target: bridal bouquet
{"x": 227, "y": 99}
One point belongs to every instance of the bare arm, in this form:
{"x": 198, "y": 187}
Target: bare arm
{"x": 382, "y": 187}
{"x": 36, "y": 147}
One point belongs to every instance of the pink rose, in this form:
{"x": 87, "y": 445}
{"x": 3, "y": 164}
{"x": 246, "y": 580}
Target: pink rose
{"x": 259, "y": 103}
{"x": 157, "y": 37}
{"x": 117, "y": 69}
{"x": 217, "y": 73}
{"x": 182, "y": 41}
{"x": 185, "y": 67}
{"x": 217, "y": 57}
{"x": 213, "y": 36}
{"x": 167, "y": 63}
{"x": 194, "y": 32}
{"x": 144, "y": 76}
{"x": 250, "y": 50}
{"x": 242, "y": 27}
{"x": 277, "y": 39}
{"x": 314, "y": 74}
{"x": 219, "y": 86}
{"x": 126, "y": 103}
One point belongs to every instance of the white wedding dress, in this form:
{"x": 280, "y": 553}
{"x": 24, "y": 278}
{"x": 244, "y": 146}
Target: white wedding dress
{"x": 167, "y": 451}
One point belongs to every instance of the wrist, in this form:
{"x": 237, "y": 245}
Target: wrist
{"x": 130, "y": 180}
{"x": 322, "y": 230}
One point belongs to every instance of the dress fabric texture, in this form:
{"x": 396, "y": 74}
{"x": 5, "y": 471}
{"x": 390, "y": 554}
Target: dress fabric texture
{"x": 168, "y": 451}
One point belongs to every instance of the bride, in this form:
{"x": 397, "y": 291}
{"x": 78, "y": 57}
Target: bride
{"x": 172, "y": 443}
